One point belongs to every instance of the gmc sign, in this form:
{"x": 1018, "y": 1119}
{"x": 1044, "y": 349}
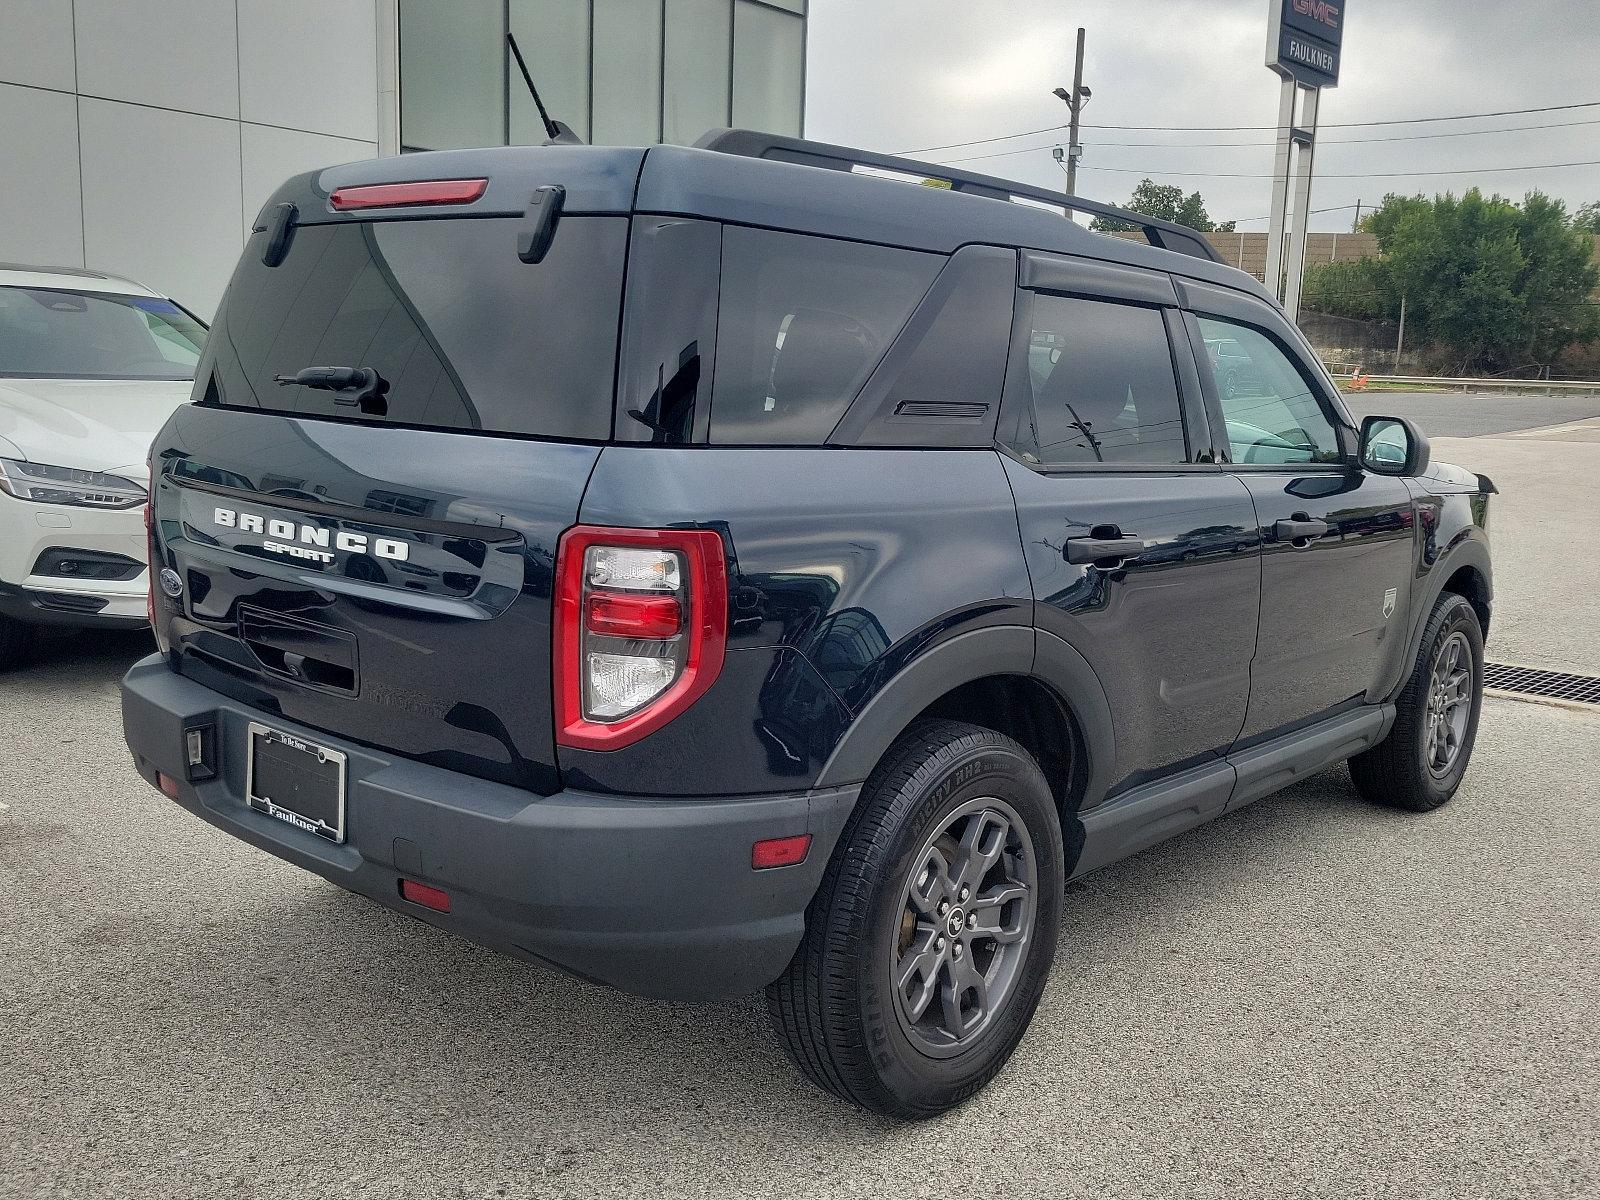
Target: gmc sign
{"x": 1303, "y": 40}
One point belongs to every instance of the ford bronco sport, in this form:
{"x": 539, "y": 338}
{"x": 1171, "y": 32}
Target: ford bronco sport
{"x": 721, "y": 568}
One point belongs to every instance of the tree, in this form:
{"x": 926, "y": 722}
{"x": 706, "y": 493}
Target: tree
{"x": 1496, "y": 285}
{"x": 1587, "y": 218}
{"x": 1166, "y": 202}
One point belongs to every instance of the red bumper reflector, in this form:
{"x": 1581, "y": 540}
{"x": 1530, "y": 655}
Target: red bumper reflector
{"x": 617, "y": 614}
{"x": 168, "y": 785}
{"x": 428, "y": 897}
{"x": 780, "y": 852}
{"x": 398, "y": 195}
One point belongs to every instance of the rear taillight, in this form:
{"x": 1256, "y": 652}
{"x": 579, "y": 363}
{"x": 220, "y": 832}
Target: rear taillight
{"x": 641, "y": 625}
{"x": 406, "y": 195}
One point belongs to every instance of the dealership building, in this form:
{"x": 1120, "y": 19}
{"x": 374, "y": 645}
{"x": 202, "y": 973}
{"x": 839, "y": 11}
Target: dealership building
{"x": 140, "y": 137}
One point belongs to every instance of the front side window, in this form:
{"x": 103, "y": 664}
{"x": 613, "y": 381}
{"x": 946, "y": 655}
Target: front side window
{"x": 1100, "y": 386}
{"x": 1269, "y": 409}
{"x": 803, "y": 320}
{"x": 63, "y": 334}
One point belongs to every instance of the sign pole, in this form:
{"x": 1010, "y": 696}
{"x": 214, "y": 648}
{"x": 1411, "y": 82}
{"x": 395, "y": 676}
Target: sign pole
{"x": 1306, "y": 141}
{"x": 1280, "y": 189}
{"x": 1304, "y": 40}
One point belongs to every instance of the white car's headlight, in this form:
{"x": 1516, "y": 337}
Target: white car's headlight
{"x": 67, "y": 485}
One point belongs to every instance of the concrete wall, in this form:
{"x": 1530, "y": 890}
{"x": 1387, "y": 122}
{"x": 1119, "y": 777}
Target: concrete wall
{"x": 141, "y": 137}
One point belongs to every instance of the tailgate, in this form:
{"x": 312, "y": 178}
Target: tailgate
{"x": 389, "y": 585}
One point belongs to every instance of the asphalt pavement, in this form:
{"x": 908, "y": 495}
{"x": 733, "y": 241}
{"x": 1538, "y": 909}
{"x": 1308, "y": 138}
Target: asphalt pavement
{"x": 1475, "y": 414}
{"x": 1311, "y": 997}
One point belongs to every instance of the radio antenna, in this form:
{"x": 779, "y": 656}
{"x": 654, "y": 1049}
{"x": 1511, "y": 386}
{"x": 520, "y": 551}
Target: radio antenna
{"x": 556, "y": 133}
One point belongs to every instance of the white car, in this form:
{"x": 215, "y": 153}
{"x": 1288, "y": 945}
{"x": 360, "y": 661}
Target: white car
{"x": 90, "y": 367}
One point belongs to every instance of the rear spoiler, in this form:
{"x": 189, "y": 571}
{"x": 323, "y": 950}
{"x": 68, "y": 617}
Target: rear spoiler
{"x": 1164, "y": 235}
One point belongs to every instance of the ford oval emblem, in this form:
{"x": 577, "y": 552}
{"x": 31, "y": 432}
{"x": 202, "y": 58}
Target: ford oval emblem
{"x": 171, "y": 582}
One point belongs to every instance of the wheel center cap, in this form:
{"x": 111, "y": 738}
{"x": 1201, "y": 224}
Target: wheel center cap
{"x": 955, "y": 921}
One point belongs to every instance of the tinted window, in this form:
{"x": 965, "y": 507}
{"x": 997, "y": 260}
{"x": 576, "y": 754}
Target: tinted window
{"x": 465, "y": 334}
{"x": 803, "y": 322}
{"x": 1272, "y": 416}
{"x": 669, "y": 331}
{"x": 1100, "y": 386}
{"x": 58, "y": 333}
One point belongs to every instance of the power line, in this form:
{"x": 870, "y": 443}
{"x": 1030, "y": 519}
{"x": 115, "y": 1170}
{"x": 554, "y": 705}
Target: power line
{"x": 1506, "y": 112}
{"x": 1404, "y": 137}
{"x": 1594, "y": 162}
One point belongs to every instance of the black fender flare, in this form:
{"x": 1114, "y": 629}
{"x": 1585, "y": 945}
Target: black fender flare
{"x": 1468, "y": 551}
{"x": 994, "y": 650}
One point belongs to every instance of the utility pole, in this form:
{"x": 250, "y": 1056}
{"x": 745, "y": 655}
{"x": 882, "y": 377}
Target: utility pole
{"x": 1074, "y": 103}
{"x": 1074, "y": 147}
{"x": 1400, "y": 339}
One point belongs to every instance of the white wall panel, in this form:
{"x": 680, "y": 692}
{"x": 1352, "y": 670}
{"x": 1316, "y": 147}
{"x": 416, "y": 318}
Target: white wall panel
{"x": 41, "y": 221}
{"x": 161, "y": 199}
{"x": 272, "y": 155}
{"x": 178, "y": 54}
{"x": 36, "y": 43}
{"x": 310, "y": 65}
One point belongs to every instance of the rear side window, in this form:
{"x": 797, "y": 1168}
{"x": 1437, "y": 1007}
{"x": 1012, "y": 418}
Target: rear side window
{"x": 1099, "y": 386}
{"x": 465, "y": 335}
{"x": 802, "y": 322}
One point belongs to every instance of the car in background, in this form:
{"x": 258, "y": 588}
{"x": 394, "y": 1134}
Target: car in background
{"x": 90, "y": 367}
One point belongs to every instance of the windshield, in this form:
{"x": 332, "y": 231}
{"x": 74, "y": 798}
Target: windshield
{"x": 56, "y": 333}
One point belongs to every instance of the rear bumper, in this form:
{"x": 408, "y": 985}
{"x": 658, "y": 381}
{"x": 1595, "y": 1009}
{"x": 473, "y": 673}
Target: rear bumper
{"x": 653, "y": 896}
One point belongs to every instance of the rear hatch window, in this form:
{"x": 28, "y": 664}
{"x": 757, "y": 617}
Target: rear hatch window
{"x": 462, "y": 333}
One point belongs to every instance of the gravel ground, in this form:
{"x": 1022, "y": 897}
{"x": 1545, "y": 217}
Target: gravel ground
{"x": 1309, "y": 998}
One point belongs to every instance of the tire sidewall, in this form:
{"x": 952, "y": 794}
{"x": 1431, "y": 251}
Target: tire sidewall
{"x": 1453, "y": 616}
{"x": 920, "y": 1081}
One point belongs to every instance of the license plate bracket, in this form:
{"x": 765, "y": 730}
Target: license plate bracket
{"x": 296, "y": 781}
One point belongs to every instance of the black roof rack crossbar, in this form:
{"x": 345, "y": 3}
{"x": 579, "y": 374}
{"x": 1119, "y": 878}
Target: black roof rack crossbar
{"x": 1163, "y": 234}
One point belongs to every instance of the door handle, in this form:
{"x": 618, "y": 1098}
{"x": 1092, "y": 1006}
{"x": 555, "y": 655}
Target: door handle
{"x": 1101, "y": 543}
{"x": 1300, "y": 529}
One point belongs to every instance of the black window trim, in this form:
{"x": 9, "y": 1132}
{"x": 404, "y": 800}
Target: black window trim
{"x": 1018, "y": 391}
{"x": 1343, "y": 431}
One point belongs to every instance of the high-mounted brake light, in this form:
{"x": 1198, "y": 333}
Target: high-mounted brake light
{"x": 641, "y": 626}
{"x": 398, "y": 195}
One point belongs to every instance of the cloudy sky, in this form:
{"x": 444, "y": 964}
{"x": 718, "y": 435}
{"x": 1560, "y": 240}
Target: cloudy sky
{"x": 900, "y": 75}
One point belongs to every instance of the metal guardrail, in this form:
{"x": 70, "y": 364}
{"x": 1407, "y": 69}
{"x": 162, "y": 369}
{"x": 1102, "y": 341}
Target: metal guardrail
{"x": 1443, "y": 383}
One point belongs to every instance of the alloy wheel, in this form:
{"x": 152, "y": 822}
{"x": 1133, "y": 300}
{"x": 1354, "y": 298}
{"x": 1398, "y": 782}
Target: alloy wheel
{"x": 965, "y": 924}
{"x": 1450, "y": 693}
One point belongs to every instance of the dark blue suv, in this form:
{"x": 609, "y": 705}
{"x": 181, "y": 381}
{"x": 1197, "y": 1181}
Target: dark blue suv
{"x": 722, "y": 568}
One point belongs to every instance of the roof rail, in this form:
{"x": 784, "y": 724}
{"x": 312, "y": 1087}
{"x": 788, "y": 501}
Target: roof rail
{"x": 1163, "y": 234}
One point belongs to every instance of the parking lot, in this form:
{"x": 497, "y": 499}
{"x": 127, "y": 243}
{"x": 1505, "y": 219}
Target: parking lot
{"x": 1310, "y": 997}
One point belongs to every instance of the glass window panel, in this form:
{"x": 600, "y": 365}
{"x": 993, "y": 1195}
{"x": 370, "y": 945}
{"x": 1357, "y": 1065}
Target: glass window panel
{"x": 1271, "y": 414}
{"x": 465, "y": 335}
{"x": 768, "y": 69}
{"x": 803, "y": 320}
{"x": 452, "y": 74}
{"x": 1102, "y": 383}
{"x": 554, "y": 36}
{"x": 627, "y": 72}
{"x": 696, "y": 94}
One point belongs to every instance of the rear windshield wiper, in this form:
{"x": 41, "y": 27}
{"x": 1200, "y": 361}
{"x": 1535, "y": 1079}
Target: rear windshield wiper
{"x": 356, "y": 386}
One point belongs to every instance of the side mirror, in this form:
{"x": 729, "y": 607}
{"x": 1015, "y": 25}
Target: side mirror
{"x": 1393, "y": 446}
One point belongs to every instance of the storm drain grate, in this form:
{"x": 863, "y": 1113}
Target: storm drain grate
{"x": 1529, "y": 681}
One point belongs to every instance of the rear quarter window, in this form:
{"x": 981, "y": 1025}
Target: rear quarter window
{"x": 465, "y": 334}
{"x": 802, "y": 322}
